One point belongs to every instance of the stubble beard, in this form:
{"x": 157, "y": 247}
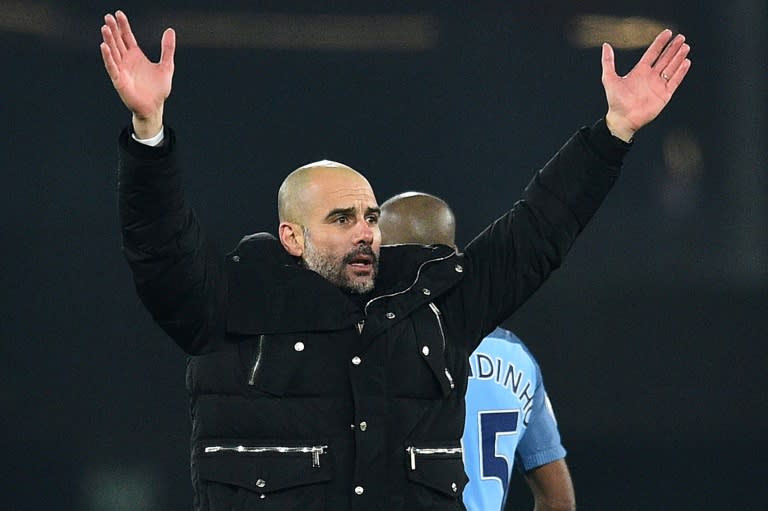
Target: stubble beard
{"x": 333, "y": 269}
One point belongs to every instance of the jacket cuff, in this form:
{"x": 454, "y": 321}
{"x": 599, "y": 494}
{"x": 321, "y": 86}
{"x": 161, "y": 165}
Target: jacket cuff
{"x": 141, "y": 151}
{"x": 609, "y": 148}
{"x": 143, "y": 165}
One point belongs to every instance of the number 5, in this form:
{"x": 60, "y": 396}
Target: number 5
{"x": 492, "y": 425}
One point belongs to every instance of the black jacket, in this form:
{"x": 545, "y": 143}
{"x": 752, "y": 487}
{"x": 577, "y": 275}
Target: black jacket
{"x": 303, "y": 397}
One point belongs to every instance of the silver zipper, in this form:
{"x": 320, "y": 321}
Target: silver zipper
{"x": 439, "y": 317}
{"x": 439, "y": 322}
{"x": 315, "y": 450}
{"x": 450, "y": 378}
{"x": 430, "y": 451}
{"x": 252, "y": 379}
{"x": 360, "y": 326}
{"x": 415, "y": 280}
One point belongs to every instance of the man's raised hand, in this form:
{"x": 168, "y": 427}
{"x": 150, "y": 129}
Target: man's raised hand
{"x": 142, "y": 85}
{"x": 637, "y": 98}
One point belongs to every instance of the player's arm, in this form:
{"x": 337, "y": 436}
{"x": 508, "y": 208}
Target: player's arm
{"x": 541, "y": 457}
{"x": 551, "y": 487}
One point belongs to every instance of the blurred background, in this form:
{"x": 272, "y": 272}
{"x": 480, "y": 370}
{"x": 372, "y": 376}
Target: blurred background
{"x": 651, "y": 337}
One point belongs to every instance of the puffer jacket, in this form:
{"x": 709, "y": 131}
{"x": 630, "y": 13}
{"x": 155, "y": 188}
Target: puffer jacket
{"x": 304, "y": 397}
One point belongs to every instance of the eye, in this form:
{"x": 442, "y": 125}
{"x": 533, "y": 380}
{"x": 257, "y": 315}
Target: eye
{"x": 342, "y": 219}
{"x": 372, "y": 219}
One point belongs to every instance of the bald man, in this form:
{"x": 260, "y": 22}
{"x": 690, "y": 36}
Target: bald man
{"x": 417, "y": 218}
{"x": 326, "y": 372}
{"x": 508, "y": 414}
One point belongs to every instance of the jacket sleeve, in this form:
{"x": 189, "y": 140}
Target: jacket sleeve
{"x": 512, "y": 257}
{"x": 177, "y": 273}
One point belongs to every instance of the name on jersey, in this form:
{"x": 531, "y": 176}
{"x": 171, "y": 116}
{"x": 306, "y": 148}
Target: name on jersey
{"x": 483, "y": 367}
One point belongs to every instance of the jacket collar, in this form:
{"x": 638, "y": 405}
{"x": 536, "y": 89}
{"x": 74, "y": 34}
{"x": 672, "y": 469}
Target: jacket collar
{"x": 270, "y": 291}
{"x": 404, "y": 266}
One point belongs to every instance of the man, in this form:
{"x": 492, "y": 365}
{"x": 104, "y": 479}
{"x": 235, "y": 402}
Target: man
{"x": 327, "y": 373}
{"x": 508, "y": 416}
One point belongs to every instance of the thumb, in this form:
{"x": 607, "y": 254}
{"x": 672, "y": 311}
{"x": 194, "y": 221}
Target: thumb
{"x": 168, "y": 47}
{"x": 609, "y": 67}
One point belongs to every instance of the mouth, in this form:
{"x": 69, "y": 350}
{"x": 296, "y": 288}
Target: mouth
{"x": 361, "y": 263}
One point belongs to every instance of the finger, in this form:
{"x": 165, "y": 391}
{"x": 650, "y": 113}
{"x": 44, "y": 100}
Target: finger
{"x": 109, "y": 62}
{"x": 118, "y": 49}
{"x": 608, "y": 63}
{"x": 168, "y": 47}
{"x": 656, "y": 47}
{"x": 109, "y": 41}
{"x": 676, "y": 79}
{"x": 126, "y": 33}
{"x": 677, "y": 59}
{"x": 669, "y": 53}
{"x": 113, "y": 24}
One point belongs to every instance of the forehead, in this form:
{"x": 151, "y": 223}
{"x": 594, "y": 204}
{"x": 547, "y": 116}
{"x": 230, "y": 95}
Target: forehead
{"x": 330, "y": 188}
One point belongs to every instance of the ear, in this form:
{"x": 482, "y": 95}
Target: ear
{"x": 292, "y": 238}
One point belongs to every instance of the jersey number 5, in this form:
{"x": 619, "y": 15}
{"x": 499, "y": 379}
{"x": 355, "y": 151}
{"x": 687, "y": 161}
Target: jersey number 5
{"x": 492, "y": 425}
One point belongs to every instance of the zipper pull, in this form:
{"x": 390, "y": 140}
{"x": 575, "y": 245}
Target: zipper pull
{"x": 450, "y": 378}
{"x": 412, "y": 453}
{"x": 360, "y": 325}
{"x": 259, "y": 348}
{"x": 316, "y": 457}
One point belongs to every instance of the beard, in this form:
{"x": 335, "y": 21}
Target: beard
{"x": 334, "y": 269}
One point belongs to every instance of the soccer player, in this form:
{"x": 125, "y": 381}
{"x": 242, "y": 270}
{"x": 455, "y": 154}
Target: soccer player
{"x": 508, "y": 415}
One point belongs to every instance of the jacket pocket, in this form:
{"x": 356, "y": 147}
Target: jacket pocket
{"x": 245, "y": 475}
{"x": 270, "y": 362}
{"x": 437, "y": 474}
{"x": 300, "y": 364}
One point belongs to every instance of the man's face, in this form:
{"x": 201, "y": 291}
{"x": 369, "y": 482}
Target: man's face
{"x": 340, "y": 230}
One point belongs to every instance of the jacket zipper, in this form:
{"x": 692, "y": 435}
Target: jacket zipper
{"x": 259, "y": 349}
{"x": 315, "y": 450}
{"x": 439, "y": 318}
{"x": 448, "y": 452}
{"x": 415, "y": 280}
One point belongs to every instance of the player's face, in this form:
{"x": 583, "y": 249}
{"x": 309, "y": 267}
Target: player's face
{"x": 341, "y": 232}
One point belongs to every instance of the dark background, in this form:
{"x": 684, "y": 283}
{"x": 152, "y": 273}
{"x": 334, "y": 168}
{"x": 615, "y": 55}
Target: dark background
{"x": 651, "y": 337}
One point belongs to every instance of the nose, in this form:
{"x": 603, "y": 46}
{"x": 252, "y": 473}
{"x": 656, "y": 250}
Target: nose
{"x": 364, "y": 233}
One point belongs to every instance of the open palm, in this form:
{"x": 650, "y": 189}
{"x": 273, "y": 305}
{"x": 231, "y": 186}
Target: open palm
{"x": 637, "y": 98}
{"x": 142, "y": 85}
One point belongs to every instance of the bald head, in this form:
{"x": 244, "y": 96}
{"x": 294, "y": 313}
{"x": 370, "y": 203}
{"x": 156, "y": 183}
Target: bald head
{"x": 297, "y": 189}
{"x": 329, "y": 220}
{"x": 415, "y": 217}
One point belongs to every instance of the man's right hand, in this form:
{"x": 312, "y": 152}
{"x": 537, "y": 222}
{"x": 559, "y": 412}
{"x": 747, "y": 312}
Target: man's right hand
{"x": 142, "y": 85}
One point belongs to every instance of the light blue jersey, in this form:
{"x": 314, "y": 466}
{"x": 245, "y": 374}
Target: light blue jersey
{"x": 508, "y": 418}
